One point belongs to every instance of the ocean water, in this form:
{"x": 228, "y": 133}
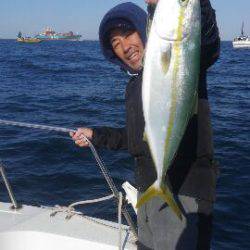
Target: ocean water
{"x": 70, "y": 84}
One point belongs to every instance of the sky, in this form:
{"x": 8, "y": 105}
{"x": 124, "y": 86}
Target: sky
{"x": 84, "y": 16}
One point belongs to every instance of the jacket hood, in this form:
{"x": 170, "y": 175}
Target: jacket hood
{"x": 130, "y": 13}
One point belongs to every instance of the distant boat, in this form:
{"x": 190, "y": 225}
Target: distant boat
{"x": 22, "y": 39}
{"x": 28, "y": 40}
{"x": 50, "y": 34}
{"x": 241, "y": 41}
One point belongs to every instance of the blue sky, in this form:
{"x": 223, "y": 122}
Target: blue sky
{"x": 84, "y": 16}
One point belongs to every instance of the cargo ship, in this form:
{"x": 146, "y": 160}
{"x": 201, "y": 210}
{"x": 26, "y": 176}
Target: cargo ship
{"x": 50, "y": 34}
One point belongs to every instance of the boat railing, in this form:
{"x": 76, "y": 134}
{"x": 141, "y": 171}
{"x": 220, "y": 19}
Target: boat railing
{"x": 15, "y": 205}
{"x": 115, "y": 193}
{"x": 69, "y": 210}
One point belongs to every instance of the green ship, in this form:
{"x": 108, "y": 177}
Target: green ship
{"x": 50, "y": 34}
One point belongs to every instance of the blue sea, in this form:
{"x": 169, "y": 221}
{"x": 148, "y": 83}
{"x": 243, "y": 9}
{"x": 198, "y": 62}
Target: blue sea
{"x": 70, "y": 84}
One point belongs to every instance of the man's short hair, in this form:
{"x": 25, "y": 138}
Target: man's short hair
{"x": 117, "y": 23}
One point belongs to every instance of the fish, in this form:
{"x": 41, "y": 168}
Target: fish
{"x": 170, "y": 87}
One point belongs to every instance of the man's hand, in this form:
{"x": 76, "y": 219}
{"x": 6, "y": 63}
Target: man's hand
{"x": 151, "y": 1}
{"x": 78, "y": 136}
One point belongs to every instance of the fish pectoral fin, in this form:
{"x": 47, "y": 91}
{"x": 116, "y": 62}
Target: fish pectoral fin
{"x": 165, "y": 60}
{"x": 165, "y": 194}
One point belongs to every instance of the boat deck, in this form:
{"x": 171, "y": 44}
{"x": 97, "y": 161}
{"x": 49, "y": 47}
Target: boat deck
{"x": 39, "y": 228}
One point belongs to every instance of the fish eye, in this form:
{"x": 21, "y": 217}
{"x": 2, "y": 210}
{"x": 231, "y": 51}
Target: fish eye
{"x": 183, "y": 3}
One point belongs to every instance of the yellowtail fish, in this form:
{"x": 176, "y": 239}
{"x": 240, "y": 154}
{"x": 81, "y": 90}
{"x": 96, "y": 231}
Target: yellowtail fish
{"x": 169, "y": 92}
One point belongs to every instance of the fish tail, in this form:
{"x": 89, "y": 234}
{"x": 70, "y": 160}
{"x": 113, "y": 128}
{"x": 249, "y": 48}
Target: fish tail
{"x": 165, "y": 194}
{"x": 148, "y": 195}
{"x": 168, "y": 197}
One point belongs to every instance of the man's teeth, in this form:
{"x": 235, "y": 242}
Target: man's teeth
{"x": 132, "y": 56}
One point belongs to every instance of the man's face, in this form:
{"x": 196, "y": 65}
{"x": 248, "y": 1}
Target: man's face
{"x": 128, "y": 46}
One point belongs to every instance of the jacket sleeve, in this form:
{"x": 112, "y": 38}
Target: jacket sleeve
{"x": 110, "y": 138}
{"x": 210, "y": 38}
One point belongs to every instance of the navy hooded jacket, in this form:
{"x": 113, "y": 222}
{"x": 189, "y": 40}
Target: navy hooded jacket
{"x": 131, "y": 137}
{"x": 129, "y": 12}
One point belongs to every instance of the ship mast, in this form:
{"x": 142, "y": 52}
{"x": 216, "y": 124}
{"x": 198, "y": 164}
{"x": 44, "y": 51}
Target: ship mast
{"x": 242, "y": 29}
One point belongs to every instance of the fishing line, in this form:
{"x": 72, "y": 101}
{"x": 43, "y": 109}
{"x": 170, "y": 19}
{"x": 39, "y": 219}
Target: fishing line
{"x": 99, "y": 161}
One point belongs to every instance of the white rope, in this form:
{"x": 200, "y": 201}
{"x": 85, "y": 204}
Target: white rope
{"x": 71, "y": 207}
{"x": 38, "y": 126}
{"x": 91, "y": 201}
{"x": 71, "y": 212}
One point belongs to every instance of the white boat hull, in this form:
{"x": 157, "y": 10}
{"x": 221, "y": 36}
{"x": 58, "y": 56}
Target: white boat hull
{"x": 33, "y": 228}
{"x": 242, "y": 44}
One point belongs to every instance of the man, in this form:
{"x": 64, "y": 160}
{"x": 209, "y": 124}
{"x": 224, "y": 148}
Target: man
{"x": 192, "y": 175}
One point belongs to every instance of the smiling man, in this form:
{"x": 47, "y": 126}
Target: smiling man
{"x": 127, "y": 45}
{"x": 193, "y": 173}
